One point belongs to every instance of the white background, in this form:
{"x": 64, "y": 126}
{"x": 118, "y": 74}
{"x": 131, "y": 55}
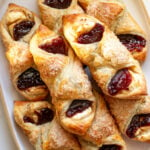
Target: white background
{"x": 6, "y": 140}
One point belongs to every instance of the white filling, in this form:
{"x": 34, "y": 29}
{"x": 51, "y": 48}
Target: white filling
{"x": 82, "y": 114}
{"x": 143, "y": 133}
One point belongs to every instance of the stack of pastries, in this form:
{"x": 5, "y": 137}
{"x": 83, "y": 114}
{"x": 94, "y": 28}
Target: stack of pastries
{"x": 64, "y": 109}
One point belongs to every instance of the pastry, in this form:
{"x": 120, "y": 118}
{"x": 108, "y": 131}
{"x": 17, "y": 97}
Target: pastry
{"x": 69, "y": 86}
{"x": 132, "y": 117}
{"x": 103, "y": 133}
{"x": 39, "y": 123}
{"x": 17, "y": 27}
{"x": 131, "y": 35}
{"x": 107, "y": 11}
{"x": 115, "y": 15}
{"x": 53, "y": 10}
{"x": 111, "y": 65}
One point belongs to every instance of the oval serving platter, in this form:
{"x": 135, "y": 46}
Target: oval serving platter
{"x": 8, "y": 94}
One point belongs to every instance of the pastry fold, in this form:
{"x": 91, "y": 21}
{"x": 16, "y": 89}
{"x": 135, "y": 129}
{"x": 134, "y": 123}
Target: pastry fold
{"x": 103, "y": 133}
{"x": 39, "y": 123}
{"x": 52, "y": 12}
{"x": 132, "y": 117}
{"x": 107, "y": 11}
{"x": 116, "y": 16}
{"x": 111, "y": 65}
{"x": 17, "y": 27}
{"x": 69, "y": 86}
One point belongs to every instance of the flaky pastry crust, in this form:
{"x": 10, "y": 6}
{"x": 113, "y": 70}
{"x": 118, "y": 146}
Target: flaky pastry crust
{"x": 116, "y": 16}
{"x": 105, "y": 57}
{"x": 107, "y": 11}
{"x": 47, "y": 136}
{"x": 17, "y": 51}
{"x": 103, "y": 130}
{"x": 123, "y": 112}
{"x": 52, "y": 17}
{"x": 66, "y": 80}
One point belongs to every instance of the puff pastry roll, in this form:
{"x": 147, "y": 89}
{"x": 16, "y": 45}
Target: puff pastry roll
{"x": 111, "y": 65}
{"x": 62, "y": 72}
{"x": 132, "y": 117}
{"x": 39, "y": 123}
{"x": 53, "y": 10}
{"x": 17, "y": 27}
{"x": 114, "y": 14}
{"x": 107, "y": 11}
{"x": 103, "y": 133}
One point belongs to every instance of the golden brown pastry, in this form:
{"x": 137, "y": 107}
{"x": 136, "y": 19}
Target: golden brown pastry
{"x": 132, "y": 117}
{"x": 114, "y": 14}
{"x": 39, "y": 123}
{"x": 62, "y": 72}
{"x": 107, "y": 11}
{"x": 103, "y": 133}
{"x": 53, "y": 10}
{"x": 17, "y": 27}
{"x": 111, "y": 65}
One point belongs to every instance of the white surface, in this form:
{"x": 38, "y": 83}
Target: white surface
{"x": 10, "y": 94}
{"x": 147, "y": 5}
{"x": 6, "y": 140}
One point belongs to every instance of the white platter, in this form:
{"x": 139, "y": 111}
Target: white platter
{"x": 8, "y": 93}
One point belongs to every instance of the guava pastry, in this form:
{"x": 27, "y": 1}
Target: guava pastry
{"x": 115, "y": 15}
{"x": 63, "y": 73}
{"x": 132, "y": 117}
{"x": 103, "y": 133}
{"x": 17, "y": 27}
{"x": 117, "y": 73}
{"x": 53, "y": 10}
{"x": 39, "y": 123}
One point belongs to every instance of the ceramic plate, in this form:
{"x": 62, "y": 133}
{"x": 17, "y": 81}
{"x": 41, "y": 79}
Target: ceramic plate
{"x": 9, "y": 94}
